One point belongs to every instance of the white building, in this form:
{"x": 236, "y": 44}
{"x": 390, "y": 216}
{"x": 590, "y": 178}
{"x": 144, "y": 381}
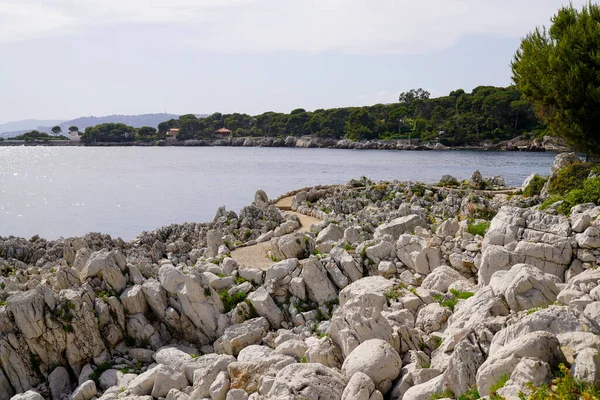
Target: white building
{"x": 74, "y": 136}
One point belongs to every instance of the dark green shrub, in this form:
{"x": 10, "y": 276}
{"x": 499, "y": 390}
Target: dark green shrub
{"x": 478, "y": 229}
{"x": 569, "y": 178}
{"x": 535, "y": 186}
{"x": 563, "y": 387}
{"x": 230, "y": 301}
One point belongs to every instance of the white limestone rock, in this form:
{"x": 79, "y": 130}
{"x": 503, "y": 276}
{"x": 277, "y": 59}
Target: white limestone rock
{"x": 236, "y": 337}
{"x": 307, "y": 381}
{"x": 376, "y": 359}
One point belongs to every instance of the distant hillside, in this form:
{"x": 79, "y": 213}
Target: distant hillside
{"x": 28, "y": 124}
{"x": 137, "y": 121}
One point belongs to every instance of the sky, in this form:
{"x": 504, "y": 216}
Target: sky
{"x": 63, "y": 59}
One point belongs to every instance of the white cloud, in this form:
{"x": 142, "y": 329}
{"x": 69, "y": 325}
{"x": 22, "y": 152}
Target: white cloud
{"x": 346, "y": 26}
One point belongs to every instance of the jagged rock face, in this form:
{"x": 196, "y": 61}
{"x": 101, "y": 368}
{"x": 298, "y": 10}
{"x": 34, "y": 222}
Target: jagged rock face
{"x": 519, "y": 236}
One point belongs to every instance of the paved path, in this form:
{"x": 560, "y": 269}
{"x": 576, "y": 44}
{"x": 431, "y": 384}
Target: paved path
{"x": 255, "y": 256}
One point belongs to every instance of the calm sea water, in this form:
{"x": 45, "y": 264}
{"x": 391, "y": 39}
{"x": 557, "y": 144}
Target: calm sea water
{"x": 68, "y": 191}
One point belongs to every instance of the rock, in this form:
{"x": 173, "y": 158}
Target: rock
{"x": 85, "y": 391}
{"x": 297, "y": 288}
{"x": 563, "y": 160}
{"x": 295, "y": 245}
{"x": 331, "y": 234}
{"x": 346, "y": 263}
{"x": 527, "y": 371}
{"x": 202, "y": 372}
{"x": 587, "y": 365}
{"x": 324, "y": 351}
{"x": 295, "y": 348}
{"x": 360, "y": 387}
{"x": 167, "y": 379}
{"x": 58, "y": 380}
{"x": 213, "y": 241}
{"x": 220, "y": 387}
{"x": 376, "y": 359}
{"x": 259, "y": 373}
{"x": 526, "y": 287}
{"x": 359, "y": 316}
{"x": 524, "y": 236}
{"x": 432, "y": 317}
{"x": 143, "y": 384}
{"x": 109, "y": 378}
{"x": 237, "y": 394}
{"x": 236, "y": 337}
{"x": 171, "y": 357}
{"x": 387, "y": 269}
{"x": 580, "y": 222}
{"x": 101, "y": 261}
{"x": 318, "y": 286}
{"x": 28, "y": 395}
{"x": 399, "y": 226}
{"x": 134, "y": 300}
{"x": 266, "y": 307}
{"x": 441, "y": 278}
{"x": 447, "y": 228}
{"x": 540, "y": 345}
{"x": 351, "y": 235}
{"x": 589, "y": 239}
{"x": 307, "y": 381}
{"x": 448, "y": 180}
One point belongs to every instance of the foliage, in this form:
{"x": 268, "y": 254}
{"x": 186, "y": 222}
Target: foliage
{"x": 442, "y": 395}
{"x": 459, "y": 294}
{"x": 99, "y": 370}
{"x": 569, "y": 178}
{"x": 56, "y": 130}
{"x": 109, "y": 132}
{"x": 563, "y": 387}
{"x": 497, "y": 386}
{"x": 471, "y": 394}
{"x": 230, "y": 301}
{"x": 558, "y": 69}
{"x": 535, "y": 186}
{"x": 35, "y": 136}
{"x": 487, "y": 113}
{"x": 479, "y": 228}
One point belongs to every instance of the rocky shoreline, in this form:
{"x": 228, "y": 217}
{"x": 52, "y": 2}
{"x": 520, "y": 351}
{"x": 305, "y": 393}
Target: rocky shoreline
{"x": 403, "y": 291}
{"x": 517, "y": 144}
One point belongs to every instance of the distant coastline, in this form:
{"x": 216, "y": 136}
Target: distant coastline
{"x": 517, "y": 144}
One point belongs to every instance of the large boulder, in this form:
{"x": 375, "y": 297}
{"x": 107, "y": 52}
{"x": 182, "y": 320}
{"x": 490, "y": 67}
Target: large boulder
{"x": 441, "y": 278}
{"x": 359, "y": 316}
{"x": 525, "y": 236}
{"x": 319, "y": 288}
{"x": 399, "y": 226}
{"x": 295, "y": 245}
{"x": 540, "y": 345}
{"x": 376, "y": 359}
{"x": 307, "y": 381}
{"x": 525, "y": 287}
{"x": 236, "y": 337}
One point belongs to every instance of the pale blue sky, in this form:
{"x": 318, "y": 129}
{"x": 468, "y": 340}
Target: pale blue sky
{"x": 72, "y": 58}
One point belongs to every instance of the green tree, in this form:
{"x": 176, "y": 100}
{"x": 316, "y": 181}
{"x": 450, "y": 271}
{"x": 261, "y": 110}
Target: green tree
{"x": 56, "y": 130}
{"x": 146, "y": 134}
{"x": 559, "y": 70}
{"x": 73, "y": 129}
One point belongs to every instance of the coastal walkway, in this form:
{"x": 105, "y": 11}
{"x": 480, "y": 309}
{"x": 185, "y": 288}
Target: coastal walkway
{"x": 255, "y": 256}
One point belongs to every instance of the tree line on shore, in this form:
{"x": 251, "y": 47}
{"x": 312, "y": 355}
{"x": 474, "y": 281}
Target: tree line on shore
{"x": 487, "y": 113}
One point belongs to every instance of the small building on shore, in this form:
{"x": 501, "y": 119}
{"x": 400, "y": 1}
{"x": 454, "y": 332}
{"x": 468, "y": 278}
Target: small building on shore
{"x": 223, "y": 133}
{"x": 74, "y": 136}
{"x": 172, "y": 134}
